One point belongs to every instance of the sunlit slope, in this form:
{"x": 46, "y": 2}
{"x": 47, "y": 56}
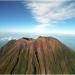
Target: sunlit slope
{"x": 44, "y": 55}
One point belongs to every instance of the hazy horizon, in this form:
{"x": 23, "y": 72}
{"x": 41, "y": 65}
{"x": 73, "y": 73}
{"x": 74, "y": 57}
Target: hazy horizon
{"x": 68, "y": 40}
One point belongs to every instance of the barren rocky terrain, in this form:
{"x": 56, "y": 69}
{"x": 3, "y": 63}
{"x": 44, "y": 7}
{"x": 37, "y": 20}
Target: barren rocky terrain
{"x": 44, "y": 55}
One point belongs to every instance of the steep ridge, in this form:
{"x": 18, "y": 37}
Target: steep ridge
{"x": 44, "y": 55}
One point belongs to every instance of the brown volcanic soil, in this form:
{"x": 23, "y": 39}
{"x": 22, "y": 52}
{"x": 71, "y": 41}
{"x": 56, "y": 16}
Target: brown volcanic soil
{"x": 44, "y": 55}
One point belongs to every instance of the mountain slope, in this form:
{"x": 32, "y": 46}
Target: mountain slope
{"x": 44, "y": 55}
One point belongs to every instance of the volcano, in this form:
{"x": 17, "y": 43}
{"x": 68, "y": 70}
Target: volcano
{"x": 44, "y": 55}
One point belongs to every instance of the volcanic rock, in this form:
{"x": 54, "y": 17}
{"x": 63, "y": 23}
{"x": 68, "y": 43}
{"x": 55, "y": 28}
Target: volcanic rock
{"x": 44, "y": 55}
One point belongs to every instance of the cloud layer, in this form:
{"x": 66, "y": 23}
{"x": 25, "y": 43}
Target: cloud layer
{"x": 50, "y": 11}
{"x": 6, "y": 38}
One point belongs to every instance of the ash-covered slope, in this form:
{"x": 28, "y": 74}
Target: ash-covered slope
{"x": 44, "y": 55}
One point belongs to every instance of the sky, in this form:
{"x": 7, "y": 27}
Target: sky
{"x": 38, "y": 16}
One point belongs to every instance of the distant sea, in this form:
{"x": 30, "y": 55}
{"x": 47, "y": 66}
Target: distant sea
{"x": 68, "y": 40}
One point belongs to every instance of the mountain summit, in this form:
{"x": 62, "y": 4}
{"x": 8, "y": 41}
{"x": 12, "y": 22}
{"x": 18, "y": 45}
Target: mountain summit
{"x": 44, "y": 55}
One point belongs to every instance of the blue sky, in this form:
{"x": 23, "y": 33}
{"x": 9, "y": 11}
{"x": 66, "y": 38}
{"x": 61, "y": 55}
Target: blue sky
{"x": 38, "y": 16}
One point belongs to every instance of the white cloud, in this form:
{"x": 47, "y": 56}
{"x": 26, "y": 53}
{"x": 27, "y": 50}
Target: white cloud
{"x": 6, "y": 38}
{"x": 50, "y": 11}
{"x": 40, "y": 28}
